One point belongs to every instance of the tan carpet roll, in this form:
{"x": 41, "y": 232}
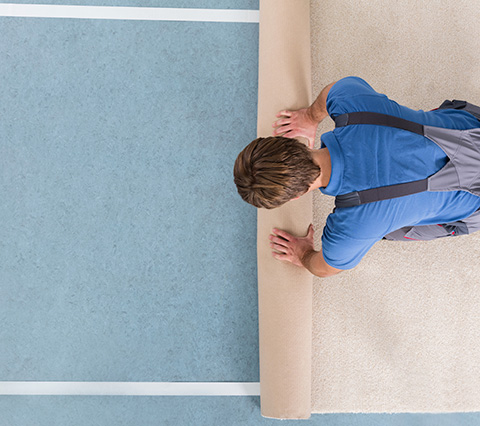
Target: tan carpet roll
{"x": 284, "y": 290}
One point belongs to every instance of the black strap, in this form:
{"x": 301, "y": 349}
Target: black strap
{"x": 385, "y": 192}
{"x": 378, "y": 119}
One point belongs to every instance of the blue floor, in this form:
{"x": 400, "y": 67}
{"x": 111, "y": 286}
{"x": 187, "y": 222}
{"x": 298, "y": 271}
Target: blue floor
{"x": 126, "y": 254}
{"x": 188, "y": 411}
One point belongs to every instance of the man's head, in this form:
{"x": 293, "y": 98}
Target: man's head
{"x": 271, "y": 171}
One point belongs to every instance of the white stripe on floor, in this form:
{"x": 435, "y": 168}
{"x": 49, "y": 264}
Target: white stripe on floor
{"x": 132, "y": 388}
{"x": 129, "y": 13}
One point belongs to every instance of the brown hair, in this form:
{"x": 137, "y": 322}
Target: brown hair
{"x": 271, "y": 171}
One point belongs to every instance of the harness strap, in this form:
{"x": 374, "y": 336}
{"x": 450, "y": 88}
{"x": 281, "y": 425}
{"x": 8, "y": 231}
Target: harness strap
{"x": 378, "y": 119}
{"x": 357, "y": 198}
{"x": 383, "y": 193}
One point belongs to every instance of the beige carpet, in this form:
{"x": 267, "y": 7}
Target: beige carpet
{"x": 401, "y": 331}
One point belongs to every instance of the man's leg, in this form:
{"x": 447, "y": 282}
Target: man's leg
{"x": 466, "y": 106}
{"x": 419, "y": 233}
{"x": 465, "y": 226}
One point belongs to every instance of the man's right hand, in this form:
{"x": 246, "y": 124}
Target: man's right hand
{"x": 304, "y": 122}
{"x": 296, "y": 124}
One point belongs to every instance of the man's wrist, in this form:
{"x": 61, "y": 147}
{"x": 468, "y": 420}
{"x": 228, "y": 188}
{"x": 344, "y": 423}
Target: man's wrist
{"x": 307, "y": 257}
{"x": 316, "y": 114}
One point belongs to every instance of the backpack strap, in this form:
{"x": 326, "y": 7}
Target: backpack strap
{"x": 385, "y": 192}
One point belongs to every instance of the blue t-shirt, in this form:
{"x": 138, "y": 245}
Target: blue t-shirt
{"x": 369, "y": 156}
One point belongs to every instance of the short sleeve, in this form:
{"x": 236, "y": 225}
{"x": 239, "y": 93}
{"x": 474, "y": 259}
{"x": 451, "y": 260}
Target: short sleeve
{"x": 341, "y": 250}
{"x": 351, "y": 94}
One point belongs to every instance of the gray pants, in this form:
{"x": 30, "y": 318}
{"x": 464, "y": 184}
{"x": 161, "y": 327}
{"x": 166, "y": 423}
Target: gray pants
{"x": 462, "y": 227}
{"x": 431, "y": 232}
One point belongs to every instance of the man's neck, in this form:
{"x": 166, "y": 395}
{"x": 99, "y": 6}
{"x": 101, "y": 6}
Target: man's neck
{"x": 321, "y": 157}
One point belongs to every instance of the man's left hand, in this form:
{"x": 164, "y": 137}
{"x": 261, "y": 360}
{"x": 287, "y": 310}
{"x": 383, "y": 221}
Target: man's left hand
{"x": 290, "y": 248}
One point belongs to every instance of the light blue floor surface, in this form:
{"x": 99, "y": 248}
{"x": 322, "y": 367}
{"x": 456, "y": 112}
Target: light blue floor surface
{"x": 191, "y": 411}
{"x": 126, "y": 253}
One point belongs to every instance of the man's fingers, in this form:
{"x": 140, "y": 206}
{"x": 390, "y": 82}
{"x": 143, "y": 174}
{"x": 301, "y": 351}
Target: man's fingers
{"x": 284, "y": 113}
{"x": 310, "y": 231}
{"x": 294, "y": 134}
{"x": 279, "y": 123}
{"x": 278, "y": 247}
{"x": 280, "y": 241}
{"x": 282, "y": 130}
{"x": 283, "y": 234}
{"x": 286, "y": 134}
{"x": 280, "y": 256}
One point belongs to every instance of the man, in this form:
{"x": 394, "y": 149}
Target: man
{"x": 271, "y": 171}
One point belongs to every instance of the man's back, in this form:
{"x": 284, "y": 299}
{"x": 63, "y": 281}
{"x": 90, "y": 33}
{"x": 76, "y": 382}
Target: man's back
{"x": 367, "y": 156}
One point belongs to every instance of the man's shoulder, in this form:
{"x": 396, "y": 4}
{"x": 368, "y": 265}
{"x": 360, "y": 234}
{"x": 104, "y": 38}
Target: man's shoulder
{"x": 350, "y": 86}
{"x": 345, "y": 241}
{"x": 365, "y": 222}
{"x": 353, "y": 94}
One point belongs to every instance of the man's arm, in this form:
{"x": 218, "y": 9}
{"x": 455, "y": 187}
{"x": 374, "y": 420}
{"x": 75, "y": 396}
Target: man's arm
{"x": 303, "y": 122}
{"x": 318, "y": 110}
{"x": 316, "y": 264}
{"x": 300, "y": 251}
